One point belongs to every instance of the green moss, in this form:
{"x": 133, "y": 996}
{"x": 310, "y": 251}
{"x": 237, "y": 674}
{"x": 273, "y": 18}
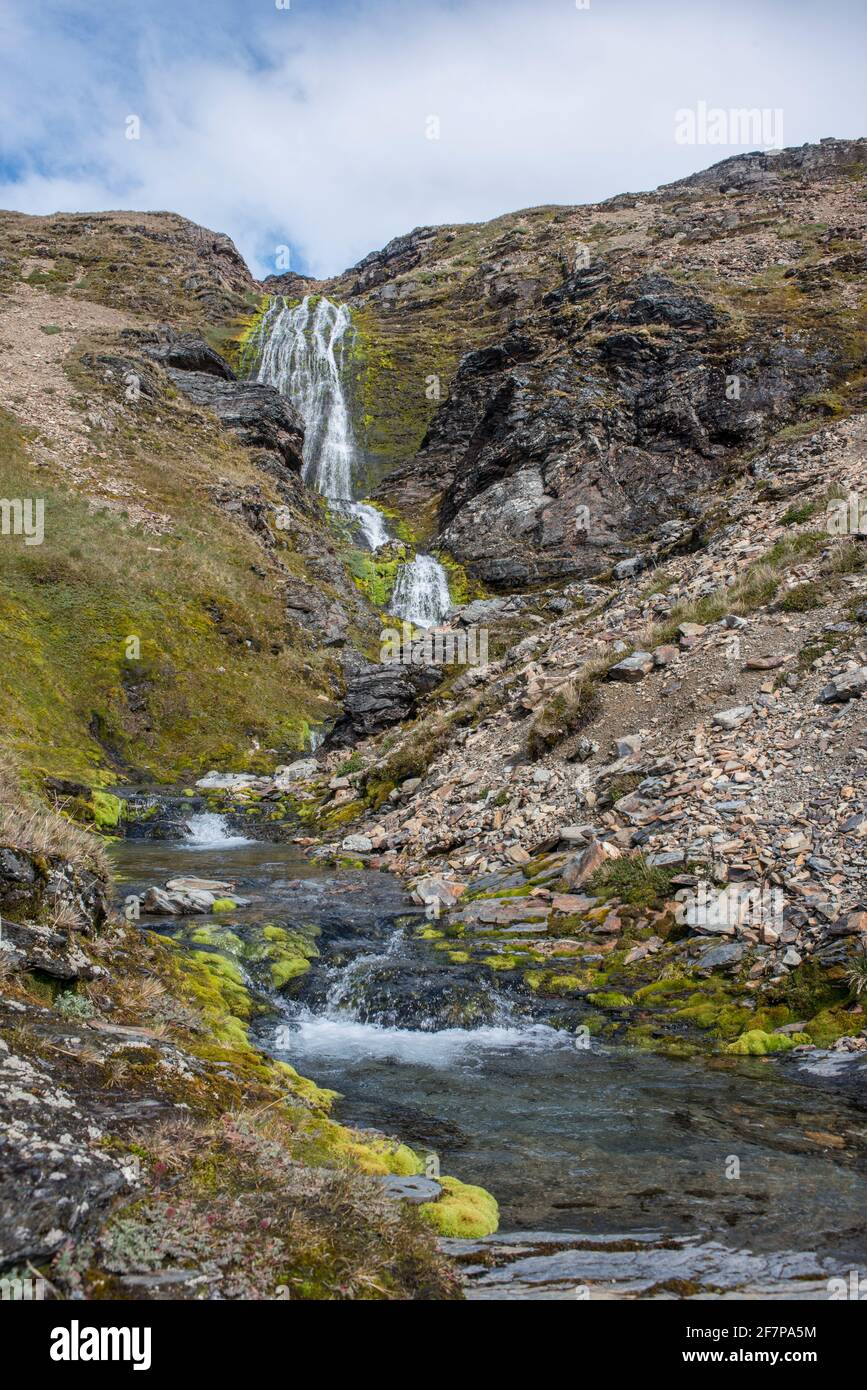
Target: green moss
{"x": 462, "y": 1211}
{"x": 506, "y": 961}
{"x": 224, "y": 905}
{"x": 610, "y": 999}
{"x": 757, "y": 1043}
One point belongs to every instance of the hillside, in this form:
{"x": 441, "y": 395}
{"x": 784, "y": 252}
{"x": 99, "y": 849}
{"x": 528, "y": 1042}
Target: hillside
{"x": 630, "y": 440}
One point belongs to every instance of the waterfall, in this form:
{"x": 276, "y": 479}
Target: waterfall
{"x": 421, "y": 593}
{"x": 302, "y": 354}
{"x": 209, "y": 830}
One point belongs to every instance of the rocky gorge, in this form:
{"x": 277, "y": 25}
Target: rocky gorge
{"x": 555, "y": 935}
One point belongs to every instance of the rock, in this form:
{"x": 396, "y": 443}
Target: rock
{"x": 570, "y": 903}
{"x": 690, "y": 631}
{"x": 379, "y": 694}
{"x": 628, "y": 569}
{"x": 576, "y": 834}
{"x": 302, "y": 770}
{"x": 632, "y": 668}
{"x": 205, "y": 885}
{"x": 627, "y": 745}
{"x": 853, "y": 924}
{"x": 791, "y": 957}
{"x": 230, "y": 781}
{"x": 729, "y": 953}
{"x": 730, "y": 719}
{"x": 432, "y": 889}
{"x": 357, "y": 844}
{"x": 849, "y": 685}
{"x": 764, "y": 663}
{"x": 415, "y": 1190}
{"x": 581, "y": 867}
{"x": 665, "y": 655}
{"x": 257, "y": 413}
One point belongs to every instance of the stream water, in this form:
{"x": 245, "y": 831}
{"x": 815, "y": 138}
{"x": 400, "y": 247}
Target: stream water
{"x": 619, "y": 1157}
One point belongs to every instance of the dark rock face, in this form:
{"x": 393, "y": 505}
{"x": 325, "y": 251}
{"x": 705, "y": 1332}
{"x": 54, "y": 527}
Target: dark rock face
{"x": 609, "y": 381}
{"x": 556, "y": 461}
{"x": 187, "y": 353}
{"x": 379, "y": 694}
{"x": 401, "y": 254}
{"x": 256, "y": 413}
{"x": 33, "y": 886}
{"x": 260, "y": 417}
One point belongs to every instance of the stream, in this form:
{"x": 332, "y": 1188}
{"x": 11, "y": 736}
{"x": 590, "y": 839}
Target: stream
{"x": 609, "y": 1164}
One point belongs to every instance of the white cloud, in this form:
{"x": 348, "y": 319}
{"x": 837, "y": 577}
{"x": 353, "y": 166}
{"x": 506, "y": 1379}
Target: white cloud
{"x": 307, "y": 126}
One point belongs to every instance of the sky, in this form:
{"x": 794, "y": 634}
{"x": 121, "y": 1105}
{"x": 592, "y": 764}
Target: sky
{"x": 313, "y": 131}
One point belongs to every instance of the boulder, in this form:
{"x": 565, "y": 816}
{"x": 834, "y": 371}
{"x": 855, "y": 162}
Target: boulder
{"x": 581, "y": 867}
{"x": 633, "y": 668}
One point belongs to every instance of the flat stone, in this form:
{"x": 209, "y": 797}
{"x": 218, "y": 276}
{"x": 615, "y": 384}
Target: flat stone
{"x": 733, "y": 718}
{"x": 357, "y": 844}
{"x": 571, "y": 902}
{"x": 633, "y": 668}
{"x": 414, "y": 1189}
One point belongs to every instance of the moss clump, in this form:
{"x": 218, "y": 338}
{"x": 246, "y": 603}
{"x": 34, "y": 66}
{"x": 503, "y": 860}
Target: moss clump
{"x": 108, "y": 810}
{"x": 757, "y": 1043}
{"x": 462, "y": 1211}
{"x": 224, "y": 905}
{"x": 610, "y": 999}
{"x": 801, "y": 599}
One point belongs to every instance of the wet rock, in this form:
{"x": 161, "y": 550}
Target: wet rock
{"x": 380, "y": 694}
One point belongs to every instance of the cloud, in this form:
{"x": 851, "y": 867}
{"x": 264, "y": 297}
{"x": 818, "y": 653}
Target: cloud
{"x": 309, "y": 126}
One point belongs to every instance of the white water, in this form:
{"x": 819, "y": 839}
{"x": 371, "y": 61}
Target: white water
{"x": 421, "y": 594}
{"x": 208, "y": 830}
{"x": 371, "y": 523}
{"x": 303, "y": 356}
{"x": 322, "y": 1035}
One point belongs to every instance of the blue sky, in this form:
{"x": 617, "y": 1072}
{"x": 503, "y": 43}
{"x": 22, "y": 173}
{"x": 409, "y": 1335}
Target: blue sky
{"x": 308, "y": 126}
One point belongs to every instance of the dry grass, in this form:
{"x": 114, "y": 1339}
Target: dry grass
{"x": 26, "y": 823}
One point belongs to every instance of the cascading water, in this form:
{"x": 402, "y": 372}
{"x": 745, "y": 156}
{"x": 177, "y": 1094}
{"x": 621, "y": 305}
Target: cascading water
{"x": 421, "y": 593}
{"x": 209, "y": 830}
{"x": 302, "y": 354}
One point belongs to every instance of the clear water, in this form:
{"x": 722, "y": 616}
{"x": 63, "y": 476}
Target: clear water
{"x": 603, "y": 1140}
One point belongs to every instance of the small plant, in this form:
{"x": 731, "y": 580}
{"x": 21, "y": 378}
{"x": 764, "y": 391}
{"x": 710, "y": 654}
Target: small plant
{"x": 856, "y": 975}
{"x": 566, "y": 713}
{"x": 801, "y": 599}
{"x": 796, "y": 516}
{"x": 74, "y": 1006}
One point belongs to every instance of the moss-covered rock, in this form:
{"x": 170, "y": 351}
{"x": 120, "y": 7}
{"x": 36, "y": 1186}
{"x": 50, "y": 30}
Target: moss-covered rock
{"x": 463, "y": 1210}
